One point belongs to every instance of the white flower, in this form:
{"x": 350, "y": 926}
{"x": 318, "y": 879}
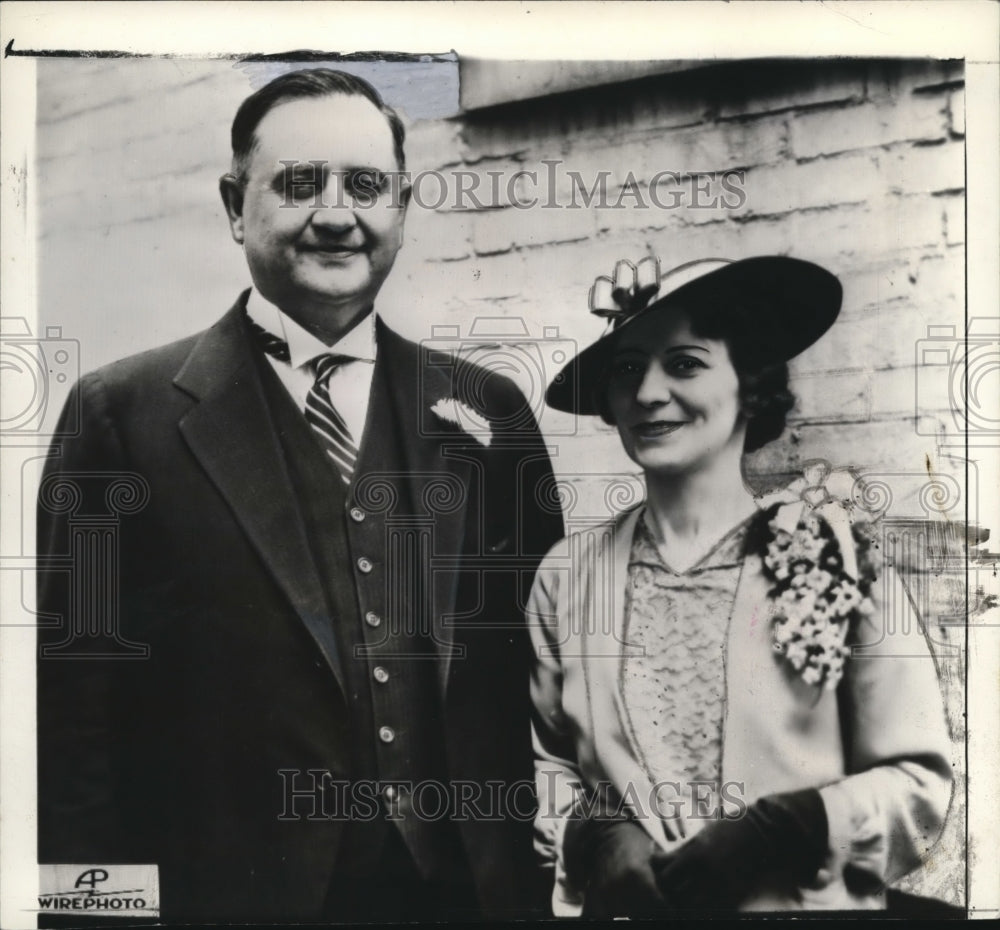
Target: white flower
{"x": 782, "y": 538}
{"x": 818, "y": 579}
{"x": 811, "y": 523}
{"x": 452, "y": 410}
{"x": 848, "y": 597}
{"x": 823, "y": 609}
{"x": 811, "y": 675}
{"x": 810, "y": 629}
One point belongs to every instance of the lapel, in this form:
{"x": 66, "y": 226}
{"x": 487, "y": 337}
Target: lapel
{"x": 231, "y": 433}
{"x": 779, "y": 733}
{"x": 434, "y": 465}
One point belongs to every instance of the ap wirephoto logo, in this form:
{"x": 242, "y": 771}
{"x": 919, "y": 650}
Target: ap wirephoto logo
{"x": 107, "y": 890}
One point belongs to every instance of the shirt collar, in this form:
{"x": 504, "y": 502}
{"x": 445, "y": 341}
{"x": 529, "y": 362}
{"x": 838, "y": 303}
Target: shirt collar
{"x": 303, "y": 346}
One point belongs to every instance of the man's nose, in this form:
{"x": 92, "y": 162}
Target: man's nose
{"x": 335, "y": 208}
{"x": 654, "y": 388}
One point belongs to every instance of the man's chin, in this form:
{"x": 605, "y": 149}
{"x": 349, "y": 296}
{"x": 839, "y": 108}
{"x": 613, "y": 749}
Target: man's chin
{"x": 336, "y": 288}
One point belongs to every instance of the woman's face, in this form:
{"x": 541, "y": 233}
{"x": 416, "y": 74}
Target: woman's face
{"x": 674, "y": 396}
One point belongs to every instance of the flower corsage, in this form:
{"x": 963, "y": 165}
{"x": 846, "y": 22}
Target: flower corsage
{"x": 816, "y": 599}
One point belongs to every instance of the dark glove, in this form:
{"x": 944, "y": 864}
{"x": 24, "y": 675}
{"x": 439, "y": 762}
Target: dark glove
{"x": 608, "y": 856}
{"x": 783, "y": 835}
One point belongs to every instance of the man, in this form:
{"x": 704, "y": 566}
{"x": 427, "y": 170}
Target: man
{"x": 310, "y": 701}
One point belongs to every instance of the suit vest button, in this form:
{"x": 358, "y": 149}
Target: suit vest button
{"x": 372, "y": 618}
{"x": 357, "y": 515}
{"x": 381, "y": 675}
{"x": 365, "y": 565}
{"x": 386, "y": 734}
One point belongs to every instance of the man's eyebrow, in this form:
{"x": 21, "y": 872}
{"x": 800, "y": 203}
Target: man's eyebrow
{"x": 292, "y": 166}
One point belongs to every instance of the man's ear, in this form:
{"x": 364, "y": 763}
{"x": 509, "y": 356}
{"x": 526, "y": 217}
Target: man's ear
{"x": 232, "y": 199}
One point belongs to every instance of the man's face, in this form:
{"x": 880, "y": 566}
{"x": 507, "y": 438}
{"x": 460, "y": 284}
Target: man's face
{"x": 318, "y": 244}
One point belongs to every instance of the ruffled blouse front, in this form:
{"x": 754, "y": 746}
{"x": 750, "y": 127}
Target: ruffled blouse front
{"x": 673, "y": 684}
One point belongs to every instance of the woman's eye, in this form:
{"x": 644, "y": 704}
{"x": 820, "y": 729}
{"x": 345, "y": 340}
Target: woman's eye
{"x": 626, "y": 368}
{"x": 686, "y": 364}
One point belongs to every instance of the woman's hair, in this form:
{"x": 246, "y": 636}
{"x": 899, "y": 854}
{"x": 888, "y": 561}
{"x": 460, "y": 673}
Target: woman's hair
{"x": 746, "y": 328}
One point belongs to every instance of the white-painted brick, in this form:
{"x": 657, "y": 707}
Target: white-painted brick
{"x": 897, "y": 79}
{"x": 439, "y": 235}
{"x": 869, "y": 286}
{"x": 676, "y": 246}
{"x": 831, "y": 236}
{"x": 613, "y": 222}
{"x": 433, "y": 144}
{"x": 887, "y": 444}
{"x": 911, "y": 391}
{"x": 849, "y": 344}
{"x": 713, "y": 146}
{"x": 839, "y": 82}
{"x": 750, "y": 142}
{"x": 666, "y": 109}
{"x": 762, "y": 235}
{"x": 495, "y": 231}
{"x": 71, "y": 88}
{"x": 98, "y": 132}
{"x": 832, "y": 396}
{"x": 824, "y": 182}
{"x": 904, "y": 223}
{"x": 954, "y": 220}
{"x": 940, "y": 280}
{"x": 956, "y": 112}
{"x": 583, "y": 168}
{"x": 925, "y": 168}
{"x": 863, "y": 126}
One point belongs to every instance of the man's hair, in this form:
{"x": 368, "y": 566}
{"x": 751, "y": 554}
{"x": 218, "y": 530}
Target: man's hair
{"x": 314, "y": 82}
{"x": 745, "y": 326}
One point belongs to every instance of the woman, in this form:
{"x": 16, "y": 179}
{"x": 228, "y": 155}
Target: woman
{"x": 705, "y": 735}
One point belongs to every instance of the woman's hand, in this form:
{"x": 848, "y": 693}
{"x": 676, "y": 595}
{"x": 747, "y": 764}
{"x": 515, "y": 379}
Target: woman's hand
{"x": 609, "y": 856}
{"x": 783, "y": 835}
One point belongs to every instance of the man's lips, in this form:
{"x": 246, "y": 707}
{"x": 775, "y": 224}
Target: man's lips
{"x": 655, "y": 428}
{"x": 333, "y": 248}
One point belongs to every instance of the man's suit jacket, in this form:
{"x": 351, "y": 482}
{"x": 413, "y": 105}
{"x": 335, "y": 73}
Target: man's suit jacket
{"x": 219, "y": 671}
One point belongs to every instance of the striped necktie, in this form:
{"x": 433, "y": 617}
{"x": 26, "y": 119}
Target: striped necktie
{"x": 320, "y": 412}
{"x": 326, "y": 422}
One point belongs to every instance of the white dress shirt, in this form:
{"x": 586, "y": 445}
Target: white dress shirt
{"x": 351, "y": 383}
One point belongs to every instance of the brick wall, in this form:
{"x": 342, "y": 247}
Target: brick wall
{"x": 858, "y": 165}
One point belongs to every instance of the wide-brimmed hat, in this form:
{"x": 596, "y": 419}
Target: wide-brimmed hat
{"x": 797, "y": 300}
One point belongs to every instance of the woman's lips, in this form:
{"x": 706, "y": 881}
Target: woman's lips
{"x": 656, "y": 428}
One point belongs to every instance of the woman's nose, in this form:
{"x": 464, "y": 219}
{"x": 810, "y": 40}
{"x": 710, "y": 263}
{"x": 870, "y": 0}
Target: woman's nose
{"x": 654, "y": 388}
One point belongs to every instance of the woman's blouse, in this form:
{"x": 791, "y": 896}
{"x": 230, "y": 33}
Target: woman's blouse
{"x": 673, "y": 683}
